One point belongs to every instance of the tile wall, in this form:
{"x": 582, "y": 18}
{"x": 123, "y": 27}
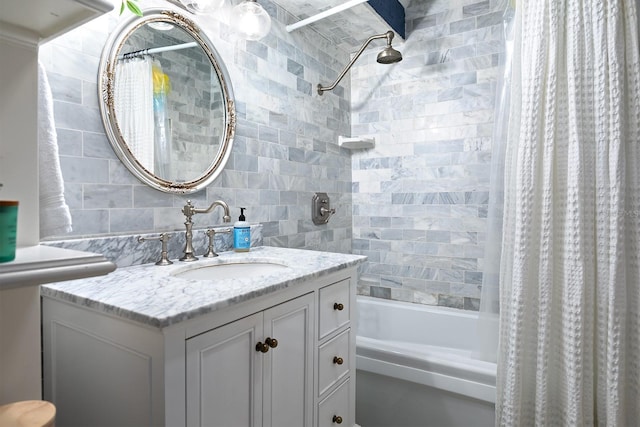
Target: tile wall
{"x": 420, "y": 196}
{"x": 417, "y": 201}
{"x": 285, "y": 146}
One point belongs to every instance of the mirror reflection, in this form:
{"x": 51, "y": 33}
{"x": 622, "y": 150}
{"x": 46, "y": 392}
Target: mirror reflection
{"x": 169, "y": 114}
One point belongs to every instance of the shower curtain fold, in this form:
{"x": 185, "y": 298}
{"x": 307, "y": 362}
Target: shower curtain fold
{"x": 570, "y": 269}
{"x": 134, "y": 108}
{"x": 488, "y": 319}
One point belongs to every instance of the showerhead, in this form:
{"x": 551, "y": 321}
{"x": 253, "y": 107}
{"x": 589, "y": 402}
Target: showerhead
{"x": 389, "y": 55}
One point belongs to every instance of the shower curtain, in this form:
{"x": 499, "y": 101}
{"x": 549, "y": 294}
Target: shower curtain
{"x": 569, "y": 351}
{"x": 162, "y": 128}
{"x": 488, "y": 319}
{"x": 133, "y": 104}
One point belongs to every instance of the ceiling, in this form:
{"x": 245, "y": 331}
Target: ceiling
{"x": 347, "y": 29}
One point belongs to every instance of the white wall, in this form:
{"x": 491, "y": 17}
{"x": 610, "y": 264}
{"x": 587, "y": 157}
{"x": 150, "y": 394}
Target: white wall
{"x": 20, "y": 366}
{"x": 19, "y": 134}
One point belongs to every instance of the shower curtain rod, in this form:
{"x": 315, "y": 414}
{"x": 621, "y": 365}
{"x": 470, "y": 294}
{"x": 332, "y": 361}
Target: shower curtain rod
{"x": 152, "y": 50}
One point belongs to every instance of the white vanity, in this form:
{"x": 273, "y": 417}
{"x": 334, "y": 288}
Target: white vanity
{"x": 144, "y": 346}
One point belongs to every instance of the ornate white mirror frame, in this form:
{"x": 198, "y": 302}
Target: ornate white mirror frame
{"x": 114, "y": 51}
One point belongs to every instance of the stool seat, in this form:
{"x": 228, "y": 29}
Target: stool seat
{"x": 28, "y": 413}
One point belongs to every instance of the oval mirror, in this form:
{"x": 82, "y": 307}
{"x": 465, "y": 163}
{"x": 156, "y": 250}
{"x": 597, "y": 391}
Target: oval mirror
{"x": 166, "y": 102}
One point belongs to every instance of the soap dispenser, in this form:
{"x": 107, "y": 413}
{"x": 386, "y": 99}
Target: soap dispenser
{"x": 241, "y": 234}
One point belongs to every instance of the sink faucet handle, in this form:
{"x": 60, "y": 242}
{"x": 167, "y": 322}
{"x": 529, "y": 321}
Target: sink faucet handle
{"x": 164, "y": 238}
{"x": 211, "y": 249}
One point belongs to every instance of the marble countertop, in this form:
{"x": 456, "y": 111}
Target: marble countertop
{"x": 151, "y": 295}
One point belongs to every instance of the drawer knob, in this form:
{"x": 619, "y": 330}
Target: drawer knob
{"x": 338, "y": 360}
{"x": 337, "y": 419}
{"x": 271, "y": 342}
{"x": 338, "y": 306}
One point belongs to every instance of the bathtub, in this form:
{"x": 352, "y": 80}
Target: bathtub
{"x": 415, "y": 367}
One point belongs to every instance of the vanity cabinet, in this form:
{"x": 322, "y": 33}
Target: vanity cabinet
{"x": 279, "y": 359}
{"x": 254, "y": 371}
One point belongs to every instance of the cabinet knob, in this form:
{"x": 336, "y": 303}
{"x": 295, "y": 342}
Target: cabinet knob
{"x": 338, "y": 360}
{"x": 338, "y": 306}
{"x": 337, "y": 419}
{"x": 271, "y": 342}
{"x": 268, "y": 343}
{"x": 263, "y": 348}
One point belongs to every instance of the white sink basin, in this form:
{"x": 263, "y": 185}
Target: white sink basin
{"x": 230, "y": 271}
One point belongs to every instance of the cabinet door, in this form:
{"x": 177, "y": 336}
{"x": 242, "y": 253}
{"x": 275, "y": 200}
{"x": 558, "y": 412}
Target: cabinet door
{"x": 288, "y": 369}
{"x": 224, "y": 375}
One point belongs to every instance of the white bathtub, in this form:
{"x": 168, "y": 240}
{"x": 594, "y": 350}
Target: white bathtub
{"x": 415, "y": 367}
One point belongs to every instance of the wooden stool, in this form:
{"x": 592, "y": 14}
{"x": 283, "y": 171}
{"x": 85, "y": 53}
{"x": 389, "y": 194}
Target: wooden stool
{"x": 28, "y": 413}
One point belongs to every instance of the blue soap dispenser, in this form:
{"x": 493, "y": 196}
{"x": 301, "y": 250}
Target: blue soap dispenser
{"x": 241, "y": 234}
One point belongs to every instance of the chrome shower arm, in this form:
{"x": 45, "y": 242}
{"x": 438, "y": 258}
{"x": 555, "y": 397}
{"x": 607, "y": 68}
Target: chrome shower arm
{"x": 388, "y": 35}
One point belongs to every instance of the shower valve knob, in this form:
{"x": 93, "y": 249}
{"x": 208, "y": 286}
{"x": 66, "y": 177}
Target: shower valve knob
{"x": 321, "y": 209}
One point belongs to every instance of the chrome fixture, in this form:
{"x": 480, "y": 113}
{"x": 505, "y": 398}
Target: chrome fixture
{"x": 250, "y": 20}
{"x": 211, "y": 233}
{"x": 387, "y": 56}
{"x": 164, "y": 238}
{"x": 189, "y": 211}
{"x": 321, "y": 208}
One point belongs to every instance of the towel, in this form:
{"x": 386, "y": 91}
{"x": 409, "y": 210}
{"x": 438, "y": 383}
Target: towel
{"x": 55, "y": 218}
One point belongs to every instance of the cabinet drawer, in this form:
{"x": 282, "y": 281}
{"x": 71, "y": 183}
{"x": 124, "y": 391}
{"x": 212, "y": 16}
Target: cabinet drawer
{"x": 333, "y": 361}
{"x": 334, "y": 410}
{"x": 334, "y": 307}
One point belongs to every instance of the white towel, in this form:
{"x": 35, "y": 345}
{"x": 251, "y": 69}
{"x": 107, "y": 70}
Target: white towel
{"x": 55, "y": 218}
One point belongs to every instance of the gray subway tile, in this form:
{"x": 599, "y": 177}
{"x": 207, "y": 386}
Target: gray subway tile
{"x": 380, "y": 292}
{"x": 450, "y": 301}
{"x": 131, "y": 220}
{"x": 84, "y": 170}
{"x": 69, "y": 142}
{"x": 89, "y": 222}
{"x": 474, "y": 9}
{"x": 98, "y": 196}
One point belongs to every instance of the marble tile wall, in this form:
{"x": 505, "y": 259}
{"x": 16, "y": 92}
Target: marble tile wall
{"x": 285, "y": 147}
{"x": 420, "y": 196}
{"x": 415, "y": 204}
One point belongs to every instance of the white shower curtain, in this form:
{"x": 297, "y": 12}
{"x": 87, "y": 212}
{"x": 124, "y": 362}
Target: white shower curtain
{"x": 569, "y": 350}
{"x": 133, "y": 95}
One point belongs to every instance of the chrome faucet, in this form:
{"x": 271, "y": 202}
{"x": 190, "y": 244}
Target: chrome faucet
{"x": 189, "y": 211}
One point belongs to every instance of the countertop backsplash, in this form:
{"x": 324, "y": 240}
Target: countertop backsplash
{"x": 125, "y": 250}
